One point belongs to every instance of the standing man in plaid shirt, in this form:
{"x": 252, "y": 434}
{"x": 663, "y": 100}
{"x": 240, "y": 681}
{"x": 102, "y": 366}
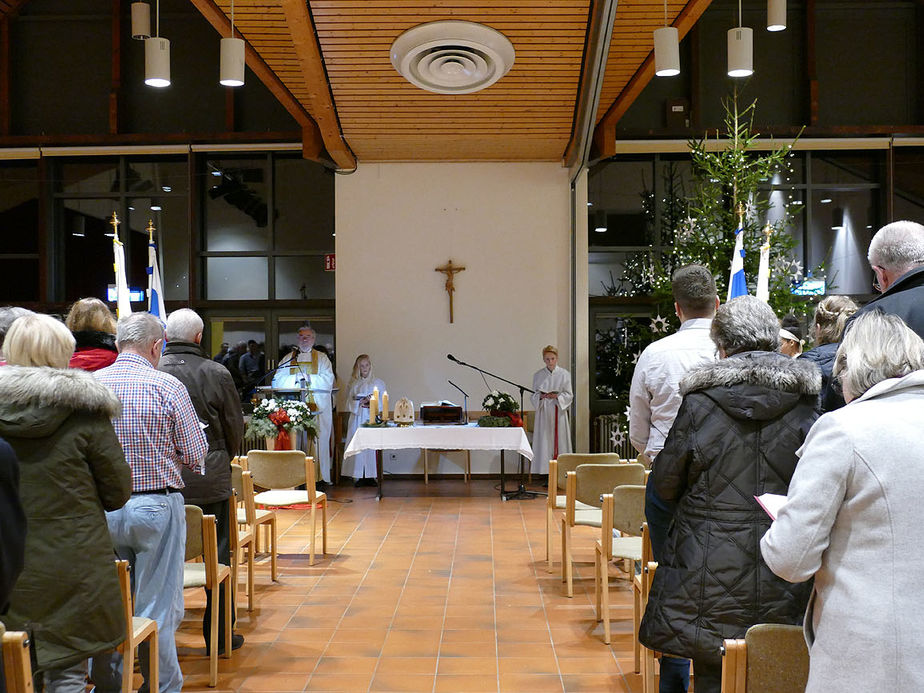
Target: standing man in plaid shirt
{"x": 160, "y": 433}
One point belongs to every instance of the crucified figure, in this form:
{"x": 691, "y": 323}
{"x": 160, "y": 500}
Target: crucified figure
{"x": 450, "y": 270}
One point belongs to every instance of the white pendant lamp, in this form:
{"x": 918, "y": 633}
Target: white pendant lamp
{"x": 740, "y": 49}
{"x": 141, "y": 20}
{"x": 776, "y": 15}
{"x": 157, "y": 57}
{"x": 231, "y": 72}
{"x": 667, "y": 49}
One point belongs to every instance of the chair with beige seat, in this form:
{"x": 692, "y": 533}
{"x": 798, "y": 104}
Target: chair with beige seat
{"x": 281, "y": 472}
{"x": 17, "y": 664}
{"x": 202, "y": 543}
{"x": 586, "y": 485}
{"x": 243, "y": 538}
{"x": 555, "y": 503}
{"x": 623, "y": 511}
{"x": 771, "y": 658}
{"x": 137, "y": 630}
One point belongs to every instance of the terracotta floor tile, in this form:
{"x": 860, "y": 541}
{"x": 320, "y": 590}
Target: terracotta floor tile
{"x": 527, "y": 665}
{"x": 467, "y": 665}
{"x": 535, "y": 683}
{"x": 407, "y": 665}
{"x": 402, "y": 682}
{"x": 612, "y": 683}
{"x": 335, "y": 682}
{"x": 275, "y": 683}
{"x": 487, "y": 637}
{"x": 346, "y": 665}
{"x": 533, "y": 650}
{"x": 465, "y": 684}
{"x": 588, "y": 665}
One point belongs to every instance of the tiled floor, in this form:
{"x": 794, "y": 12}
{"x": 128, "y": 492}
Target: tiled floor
{"x": 435, "y": 588}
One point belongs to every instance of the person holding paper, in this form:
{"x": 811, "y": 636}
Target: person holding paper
{"x": 853, "y": 517}
{"x": 362, "y": 465}
{"x": 552, "y": 397}
{"x": 735, "y": 436}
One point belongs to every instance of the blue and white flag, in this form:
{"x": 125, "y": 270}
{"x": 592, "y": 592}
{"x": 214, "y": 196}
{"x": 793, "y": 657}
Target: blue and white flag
{"x": 155, "y": 287}
{"x": 737, "y": 286}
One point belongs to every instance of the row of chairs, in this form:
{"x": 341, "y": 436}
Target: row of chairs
{"x": 607, "y": 492}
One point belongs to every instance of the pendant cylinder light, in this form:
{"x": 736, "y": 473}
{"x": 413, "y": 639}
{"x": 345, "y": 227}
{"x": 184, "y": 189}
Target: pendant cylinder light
{"x": 141, "y": 20}
{"x": 667, "y": 51}
{"x": 776, "y": 15}
{"x": 157, "y": 62}
{"x": 232, "y": 62}
{"x": 740, "y": 52}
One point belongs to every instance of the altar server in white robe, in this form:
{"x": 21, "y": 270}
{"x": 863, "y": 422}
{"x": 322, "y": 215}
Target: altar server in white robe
{"x": 308, "y": 367}
{"x": 551, "y": 398}
{"x": 362, "y": 465}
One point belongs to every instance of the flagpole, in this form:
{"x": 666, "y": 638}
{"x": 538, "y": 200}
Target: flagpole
{"x": 763, "y": 272}
{"x": 123, "y": 298}
{"x": 155, "y": 286}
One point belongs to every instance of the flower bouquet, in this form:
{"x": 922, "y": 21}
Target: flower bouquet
{"x": 502, "y": 410}
{"x": 278, "y": 420}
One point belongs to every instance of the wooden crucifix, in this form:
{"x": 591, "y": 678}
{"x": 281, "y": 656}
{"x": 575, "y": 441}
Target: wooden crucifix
{"x": 450, "y": 270}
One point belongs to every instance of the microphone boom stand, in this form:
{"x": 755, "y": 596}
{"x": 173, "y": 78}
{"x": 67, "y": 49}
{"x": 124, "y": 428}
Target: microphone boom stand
{"x": 521, "y": 491}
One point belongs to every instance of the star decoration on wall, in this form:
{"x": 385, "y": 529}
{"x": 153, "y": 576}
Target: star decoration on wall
{"x": 617, "y": 438}
{"x": 628, "y": 412}
{"x": 635, "y": 357}
{"x": 658, "y": 324}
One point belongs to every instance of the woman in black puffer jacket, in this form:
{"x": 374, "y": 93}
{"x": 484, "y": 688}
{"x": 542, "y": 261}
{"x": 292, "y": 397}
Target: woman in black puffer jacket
{"x": 735, "y": 437}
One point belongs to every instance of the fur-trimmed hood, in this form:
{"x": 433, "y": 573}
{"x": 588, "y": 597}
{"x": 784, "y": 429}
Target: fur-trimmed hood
{"x": 756, "y": 385}
{"x": 92, "y": 339}
{"x": 34, "y": 402}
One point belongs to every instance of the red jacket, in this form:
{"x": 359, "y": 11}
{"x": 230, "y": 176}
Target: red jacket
{"x": 92, "y": 358}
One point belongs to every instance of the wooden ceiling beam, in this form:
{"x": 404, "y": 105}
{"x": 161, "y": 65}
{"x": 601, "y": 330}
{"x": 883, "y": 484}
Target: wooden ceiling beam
{"x": 605, "y": 132}
{"x": 320, "y": 99}
{"x": 311, "y": 134}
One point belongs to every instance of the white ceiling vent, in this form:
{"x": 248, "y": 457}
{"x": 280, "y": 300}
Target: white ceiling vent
{"x": 452, "y": 57}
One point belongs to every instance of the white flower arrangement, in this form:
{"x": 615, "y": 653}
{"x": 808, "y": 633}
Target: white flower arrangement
{"x": 272, "y": 416}
{"x": 499, "y": 401}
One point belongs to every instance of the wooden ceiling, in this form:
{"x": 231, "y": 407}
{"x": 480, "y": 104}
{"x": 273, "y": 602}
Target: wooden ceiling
{"x": 332, "y": 56}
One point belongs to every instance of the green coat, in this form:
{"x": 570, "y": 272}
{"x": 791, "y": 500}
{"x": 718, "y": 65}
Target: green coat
{"x": 72, "y": 469}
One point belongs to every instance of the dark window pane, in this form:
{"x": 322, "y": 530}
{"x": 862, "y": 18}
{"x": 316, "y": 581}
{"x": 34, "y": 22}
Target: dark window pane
{"x": 304, "y": 197}
{"x": 87, "y": 241}
{"x": 156, "y": 177}
{"x": 841, "y": 231}
{"x": 236, "y": 212}
{"x": 303, "y": 277}
{"x": 19, "y": 280}
{"x": 617, "y": 191}
{"x": 909, "y": 183}
{"x": 90, "y": 175}
{"x": 170, "y": 219}
{"x": 848, "y": 167}
{"x": 240, "y": 278}
{"x": 19, "y": 208}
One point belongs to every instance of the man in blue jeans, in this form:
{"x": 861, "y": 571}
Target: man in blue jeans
{"x": 159, "y": 432}
{"x": 654, "y": 399}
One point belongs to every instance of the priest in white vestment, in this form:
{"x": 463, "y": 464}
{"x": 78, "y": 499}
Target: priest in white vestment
{"x": 361, "y": 465}
{"x": 311, "y": 368}
{"x": 551, "y": 398}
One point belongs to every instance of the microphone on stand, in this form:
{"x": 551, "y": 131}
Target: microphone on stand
{"x": 452, "y": 358}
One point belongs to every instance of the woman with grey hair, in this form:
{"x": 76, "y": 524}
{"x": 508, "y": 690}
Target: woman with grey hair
{"x": 853, "y": 517}
{"x": 735, "y": 437}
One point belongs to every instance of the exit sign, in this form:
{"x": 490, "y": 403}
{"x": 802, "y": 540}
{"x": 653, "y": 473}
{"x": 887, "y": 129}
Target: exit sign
{"x": 330, "y": 262}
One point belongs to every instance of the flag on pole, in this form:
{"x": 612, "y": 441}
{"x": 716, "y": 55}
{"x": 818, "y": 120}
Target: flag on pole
{"x": 155, "y": 287}
{"x": 763, "y": 272}
{"x": 123, "y": 297}
{"x": 737, "y": 286}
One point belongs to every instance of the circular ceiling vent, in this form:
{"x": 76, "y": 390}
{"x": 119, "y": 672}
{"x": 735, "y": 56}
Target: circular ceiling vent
{"x": 452, "y": 57}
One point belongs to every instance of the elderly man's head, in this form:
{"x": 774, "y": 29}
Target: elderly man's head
{"x": 141, "y": 334}
{"x": 184, "y": 325}
{"x": 306, "y": 338}
{"x": 876, "y": 347}
{"x": 745, "y": 324}
{"x": 895, "y": 250}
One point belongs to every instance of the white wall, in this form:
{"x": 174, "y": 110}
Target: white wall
{"x": 507, "y": 223}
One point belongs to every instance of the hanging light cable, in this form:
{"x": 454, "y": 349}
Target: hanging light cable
{"x": 231, "y": 73}
{"x": 667, "y": 49}
{"x": 740, "y": 49}
{"x": 776, "y": 15}
{"x": 157, "y": 57}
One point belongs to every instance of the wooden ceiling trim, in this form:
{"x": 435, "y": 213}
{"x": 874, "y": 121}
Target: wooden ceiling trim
{"x": 311, "y": 135}
{"x": 604, "y": 133}
{"x": 320, "y": 99}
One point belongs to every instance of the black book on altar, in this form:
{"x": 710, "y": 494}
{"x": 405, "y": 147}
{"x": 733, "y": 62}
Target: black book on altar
{"x": 441, "y": 413}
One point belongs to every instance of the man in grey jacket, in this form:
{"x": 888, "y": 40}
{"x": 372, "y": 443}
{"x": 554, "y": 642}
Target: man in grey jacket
{"x": 218, "y": 406}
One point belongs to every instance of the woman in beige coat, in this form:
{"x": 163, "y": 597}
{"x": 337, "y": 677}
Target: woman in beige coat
{"x": 854, "y": 514}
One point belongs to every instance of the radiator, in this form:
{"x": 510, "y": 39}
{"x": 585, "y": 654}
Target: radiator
{"x": 605, "y": 426}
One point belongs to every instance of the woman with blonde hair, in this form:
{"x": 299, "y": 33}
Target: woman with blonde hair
{"x": 831, "y": 315}
{"x": 552, "y": 397}
{"x": 94, "y": 329}
{"x": 361, "y": 466}
{"x": 58, "y": 421}
{"x": 853, "y": 516}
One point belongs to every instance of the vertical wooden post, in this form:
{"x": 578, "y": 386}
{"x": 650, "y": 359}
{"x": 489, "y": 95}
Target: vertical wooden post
{"x": 811, "y": 70}
{"x": 5, "y": 76}
{"x": 116, "y": 86}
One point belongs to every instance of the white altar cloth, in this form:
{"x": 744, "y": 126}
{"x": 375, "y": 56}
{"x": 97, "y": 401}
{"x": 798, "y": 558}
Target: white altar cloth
{"x": 468, "y": 437}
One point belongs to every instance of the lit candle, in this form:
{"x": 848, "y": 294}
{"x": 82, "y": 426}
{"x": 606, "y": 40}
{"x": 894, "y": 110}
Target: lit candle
{"x": 373, "y": 406}
{"x": 385, "y": 406}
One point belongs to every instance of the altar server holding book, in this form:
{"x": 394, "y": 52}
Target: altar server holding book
{"x": 551, "y": 398}
{"x": 361, "y": 465}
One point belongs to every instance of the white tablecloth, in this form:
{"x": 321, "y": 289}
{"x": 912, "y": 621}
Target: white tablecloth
{"x": 469, "y": 437}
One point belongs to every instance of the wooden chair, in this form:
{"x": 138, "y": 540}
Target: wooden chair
{"x": 281, "y": 472}
{"x": 555, "y": 502}
{"x": 587, "y": 484}
{"x": 624, "y": 511}
{"x": 242, "y": 538}
{"x": 137, "y": 630}
{"x": 648, "y": 656}
{"x": 17, "y": 665}
{"x": 770, "y": 658}
{"x": 256, "y": 518}
{"x": 202, "y": 542}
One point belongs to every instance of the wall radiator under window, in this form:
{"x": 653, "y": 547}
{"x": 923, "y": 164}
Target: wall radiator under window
{"x": 605, "y": 426}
